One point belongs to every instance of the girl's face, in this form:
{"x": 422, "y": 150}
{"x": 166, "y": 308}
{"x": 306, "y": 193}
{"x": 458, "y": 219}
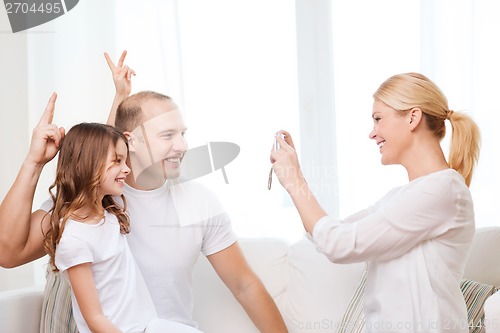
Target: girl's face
{"x": 116, "y": 170}
{"x": 391, "y": 133}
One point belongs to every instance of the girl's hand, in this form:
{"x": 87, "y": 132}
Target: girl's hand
{"x": 286, "y": 163}
{"x": 46, "y": 137}
{"x": 122, "y": 75}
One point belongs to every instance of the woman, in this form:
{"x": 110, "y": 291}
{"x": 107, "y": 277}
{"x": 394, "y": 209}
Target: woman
{"x": 415, "y": 239}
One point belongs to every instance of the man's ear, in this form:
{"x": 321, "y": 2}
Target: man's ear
{"x": 131, "y": 141}
{"x": 414, "y": 118}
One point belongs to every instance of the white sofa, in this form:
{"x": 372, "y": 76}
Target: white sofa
{"x": 311, "y": 292}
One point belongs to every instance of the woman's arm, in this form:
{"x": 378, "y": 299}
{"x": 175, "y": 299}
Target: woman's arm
{"x": 409, "y": 217}
{"x": 401, "y": 220}
{"x": 287, "y": 168}
{"x": 83, "y": 285}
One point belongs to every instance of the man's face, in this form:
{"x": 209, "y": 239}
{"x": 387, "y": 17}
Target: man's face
{"x": 158, "y": 145}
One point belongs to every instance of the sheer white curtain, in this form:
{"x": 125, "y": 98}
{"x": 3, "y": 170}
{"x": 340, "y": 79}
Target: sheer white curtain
{"x": 462, "y": 56}
{"x": 234, "y": 68}
{"x": 372, "y": 40}
{"x": 240, "y": 85}
{"x": 246, "y": 73}
{"x": 452, "y": 42}
{"x": 231, "y": 66}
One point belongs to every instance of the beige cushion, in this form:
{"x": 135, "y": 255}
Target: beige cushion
{"x": 353, "y": 320}
{"x": 476, "y": 294}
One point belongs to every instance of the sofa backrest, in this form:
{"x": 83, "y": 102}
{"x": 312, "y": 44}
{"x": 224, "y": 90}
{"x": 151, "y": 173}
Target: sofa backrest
{"x": 483, "y": 264}
{"x": 215, "y": 309}
{"x": 310, "y": 291}
{"x": 318, "y": 291}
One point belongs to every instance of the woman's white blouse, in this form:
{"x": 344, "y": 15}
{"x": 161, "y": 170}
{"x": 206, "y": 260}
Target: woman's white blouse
{"x": 415, "y": 241}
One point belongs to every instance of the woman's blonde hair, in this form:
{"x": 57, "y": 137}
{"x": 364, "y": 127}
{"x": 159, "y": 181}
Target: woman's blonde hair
{"x": 406, "y": 91}
{"x": 80, "y": 169}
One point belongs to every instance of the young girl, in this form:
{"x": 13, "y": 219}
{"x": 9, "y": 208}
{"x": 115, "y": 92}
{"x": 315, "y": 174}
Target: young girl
{"x": 86, "y": 239}
{"x": 415, "y": 240}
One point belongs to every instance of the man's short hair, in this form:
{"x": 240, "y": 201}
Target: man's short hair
{"x": 129, "y": 114}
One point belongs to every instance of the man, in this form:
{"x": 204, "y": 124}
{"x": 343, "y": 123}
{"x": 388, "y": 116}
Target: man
{"x": 171, "y": 222}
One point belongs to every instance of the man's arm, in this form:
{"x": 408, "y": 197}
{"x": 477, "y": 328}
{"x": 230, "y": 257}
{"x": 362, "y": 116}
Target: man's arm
{"x": 232, "y": 268}
{"x": 21, "y": 238}
{"x": 122, "y": 78}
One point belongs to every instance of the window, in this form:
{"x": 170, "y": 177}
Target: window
{"x": 240, "y": 85}
{"x": 372, "y": 41}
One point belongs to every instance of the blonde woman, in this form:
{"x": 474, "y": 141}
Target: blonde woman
{"x": 416, "y": 238}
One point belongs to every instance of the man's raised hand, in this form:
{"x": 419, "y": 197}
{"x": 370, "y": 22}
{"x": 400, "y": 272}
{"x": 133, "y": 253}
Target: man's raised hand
{"x": 47, "y": 137}
{"x": 122, "y": 74}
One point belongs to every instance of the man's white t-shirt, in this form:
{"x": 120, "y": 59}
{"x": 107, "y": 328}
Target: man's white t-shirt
{"x": 170, "y": 226}
{"x": 416, "y": 240}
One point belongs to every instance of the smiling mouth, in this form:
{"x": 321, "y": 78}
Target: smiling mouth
{"x": 174, "y": 160}
{"x": 381, "y": 144}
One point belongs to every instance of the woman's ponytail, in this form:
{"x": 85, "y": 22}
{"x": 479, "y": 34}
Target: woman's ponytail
{"x": 464, "y": 145}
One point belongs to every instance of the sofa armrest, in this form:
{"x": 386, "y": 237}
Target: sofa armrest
{"x": 20, "y": 310}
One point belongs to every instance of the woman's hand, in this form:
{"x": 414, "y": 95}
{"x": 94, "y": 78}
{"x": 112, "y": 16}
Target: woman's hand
{"x": 286, "y": 163}
{"x": 287, "y": 168}
{"x": 46, "y": 137}
{"x": 122, "y": 75}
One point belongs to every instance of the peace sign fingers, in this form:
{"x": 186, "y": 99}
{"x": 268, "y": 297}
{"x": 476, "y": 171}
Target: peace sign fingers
{"x": 122, "y": 74}
{"x": 120, "y": 61}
